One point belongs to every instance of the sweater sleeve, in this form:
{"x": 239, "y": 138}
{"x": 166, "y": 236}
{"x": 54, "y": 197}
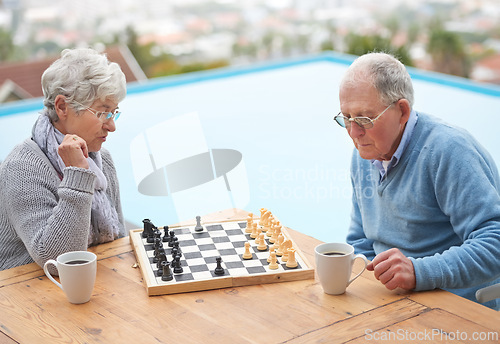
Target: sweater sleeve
{"x": 466, "y": 187}
{"x": 49, "y": 215}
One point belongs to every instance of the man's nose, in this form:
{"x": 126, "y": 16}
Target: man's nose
{"x": 355, "y": 130}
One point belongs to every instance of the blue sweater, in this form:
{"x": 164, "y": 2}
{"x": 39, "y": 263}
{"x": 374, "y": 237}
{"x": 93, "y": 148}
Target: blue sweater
{"x": 440, "y": 206}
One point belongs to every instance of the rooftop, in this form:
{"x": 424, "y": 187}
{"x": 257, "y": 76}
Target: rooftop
{"x": 21, "y": 80}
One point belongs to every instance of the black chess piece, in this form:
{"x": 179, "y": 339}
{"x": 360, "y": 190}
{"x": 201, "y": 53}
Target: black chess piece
{"x": 151, "y": 235}
{"x": 157, "y": 246}
{"x": 176, "y": 245}
{"x": 157, "y": 234}
{"x": 165, "y": 238}
{"x": 148, "y": 228}
{"x": 174, "y": 252}
{"x": 173, "y": 238}
{"x": 162, "y": 257}
{"x": 167, "y": 272}
{"x": 177, "y": 265}
{"x": 219, "y": 270}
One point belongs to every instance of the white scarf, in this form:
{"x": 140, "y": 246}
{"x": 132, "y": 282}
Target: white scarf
{"x": 104, "y": 222}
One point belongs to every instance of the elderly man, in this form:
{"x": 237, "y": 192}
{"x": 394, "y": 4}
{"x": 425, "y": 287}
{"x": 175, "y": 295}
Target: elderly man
{"x": 426, "y": 203}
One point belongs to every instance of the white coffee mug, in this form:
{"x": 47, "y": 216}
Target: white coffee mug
{"x": 77, "y": 272}
{"x": 334, "y": 263}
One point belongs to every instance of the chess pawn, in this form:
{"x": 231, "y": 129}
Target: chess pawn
{"x": 247, "y": 254}
{"x": 255, "y": 231}
{"x": 257, "y": 239}
{"x": 292, "y": 262}
{"x": 219, "y": 270}
{"x": 178, "y": 269}
{"x": 198, "y": 227}
{"x": 279, "y": 242}
{"x": 249, "y": 223}
{"x": 276, "y": 233}
{"x": 262, "y": 246}
{"x": 273, "y": 264}
{"x": 269, "y": 258}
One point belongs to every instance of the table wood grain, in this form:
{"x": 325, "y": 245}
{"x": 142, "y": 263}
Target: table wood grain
{"x": 34, "y": 310}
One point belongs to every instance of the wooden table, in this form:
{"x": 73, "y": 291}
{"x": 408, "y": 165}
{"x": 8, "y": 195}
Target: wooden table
{"x": 34, "y": 310}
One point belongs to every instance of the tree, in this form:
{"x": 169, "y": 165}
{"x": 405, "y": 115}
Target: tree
{"x": 448, "y": 53}
{"x": 6, "y": 45}
{"x": 362, "y": 44}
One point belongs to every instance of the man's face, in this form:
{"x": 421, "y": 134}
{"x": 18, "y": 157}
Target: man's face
{"x": 381, "y": 141}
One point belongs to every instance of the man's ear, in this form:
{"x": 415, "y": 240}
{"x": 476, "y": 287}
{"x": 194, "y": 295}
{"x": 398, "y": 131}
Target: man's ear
{"x": 61, "y": 107}
{"x": 404, "y": 107}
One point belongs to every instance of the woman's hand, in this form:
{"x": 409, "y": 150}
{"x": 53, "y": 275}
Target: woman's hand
{"x": 73, "y": 151}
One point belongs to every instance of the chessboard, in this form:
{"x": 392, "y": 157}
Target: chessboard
{"x": 205, "y": 256}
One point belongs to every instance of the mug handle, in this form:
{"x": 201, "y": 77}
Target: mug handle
{"x": 362, "y": 256}
{"x": 46, "y": 270}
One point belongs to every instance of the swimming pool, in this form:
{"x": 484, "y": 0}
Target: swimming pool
{"x": 253, "y": 137}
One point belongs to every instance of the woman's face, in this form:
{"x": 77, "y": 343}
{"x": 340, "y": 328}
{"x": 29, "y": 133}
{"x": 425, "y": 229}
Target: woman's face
{"x": 86, "y": 124}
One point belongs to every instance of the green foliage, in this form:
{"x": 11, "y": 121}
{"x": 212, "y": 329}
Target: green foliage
{"x": 362, "y": 44}
{"x": 6, "y": 45}
{"x": 327, "y": 45}
{"x": 448, "y": 52}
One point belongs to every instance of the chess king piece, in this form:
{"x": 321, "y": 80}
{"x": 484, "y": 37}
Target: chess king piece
{"x": 279, "y": 249}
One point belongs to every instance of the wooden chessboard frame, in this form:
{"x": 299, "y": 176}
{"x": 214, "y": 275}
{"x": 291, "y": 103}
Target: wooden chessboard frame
{"x": 153, "y": 288}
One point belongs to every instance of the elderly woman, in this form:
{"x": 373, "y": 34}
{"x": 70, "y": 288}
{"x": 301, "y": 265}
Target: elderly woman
{"x": 58, "y": 189}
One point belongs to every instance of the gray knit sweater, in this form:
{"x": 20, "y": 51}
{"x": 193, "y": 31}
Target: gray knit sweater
{"x": 42, "y": 216}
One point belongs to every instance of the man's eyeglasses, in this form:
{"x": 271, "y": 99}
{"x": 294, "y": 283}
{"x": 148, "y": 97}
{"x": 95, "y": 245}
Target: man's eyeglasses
{"x": 363, "y": 122}
{"x": 102, "y": 115}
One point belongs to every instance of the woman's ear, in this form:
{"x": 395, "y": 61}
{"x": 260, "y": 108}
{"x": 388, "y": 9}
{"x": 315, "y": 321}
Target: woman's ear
{"x": 61, "y": 107}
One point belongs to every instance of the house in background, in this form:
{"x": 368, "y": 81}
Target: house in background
{"x": 487, "y": 70}
{"x": 22, "y": 80}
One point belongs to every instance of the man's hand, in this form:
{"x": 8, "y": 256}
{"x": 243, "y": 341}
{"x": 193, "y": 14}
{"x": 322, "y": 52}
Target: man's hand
{"x": 393, "y": 269}
{"x": 73, "y": 151}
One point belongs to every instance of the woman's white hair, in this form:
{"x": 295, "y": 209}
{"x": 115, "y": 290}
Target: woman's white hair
{"x": 386, "y": 73}
{"x": 82, "y": 75}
